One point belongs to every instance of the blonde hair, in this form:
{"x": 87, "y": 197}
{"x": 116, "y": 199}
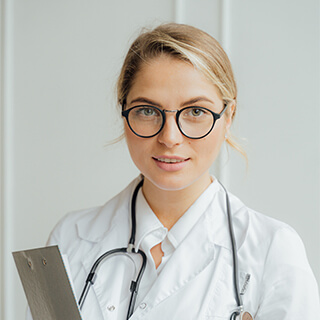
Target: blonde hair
{"x": 188, "y": 44}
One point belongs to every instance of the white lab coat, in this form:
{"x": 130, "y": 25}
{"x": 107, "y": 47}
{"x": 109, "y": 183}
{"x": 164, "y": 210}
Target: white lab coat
{"x": 197, "y": 281}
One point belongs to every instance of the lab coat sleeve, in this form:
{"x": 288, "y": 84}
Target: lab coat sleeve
{"x": 289, "y": 287}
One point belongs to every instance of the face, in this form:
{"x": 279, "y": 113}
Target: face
{"x": 169, "y": 160}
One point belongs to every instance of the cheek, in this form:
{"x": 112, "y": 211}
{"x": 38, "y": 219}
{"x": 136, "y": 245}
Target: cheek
{"x": 136, "y": 153}
{"x": 131, "y": 140}
{"x": 138, "y": 147}
{"x": 126, "y": 128}
{"x": 210, "y": 147}
{"x": 133, "y": 145}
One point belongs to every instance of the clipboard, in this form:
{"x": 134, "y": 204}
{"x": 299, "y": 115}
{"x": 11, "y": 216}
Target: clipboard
{"x": 46, "y": 284}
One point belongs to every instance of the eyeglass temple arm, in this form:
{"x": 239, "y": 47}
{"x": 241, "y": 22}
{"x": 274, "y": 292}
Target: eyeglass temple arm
{"x": 223, "y": 110}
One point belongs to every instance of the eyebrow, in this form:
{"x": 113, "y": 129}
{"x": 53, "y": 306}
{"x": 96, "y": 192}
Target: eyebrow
{"x": 145, "y": 100}
{"x": 197, "y": 99}
{"x": 191, "y": 101}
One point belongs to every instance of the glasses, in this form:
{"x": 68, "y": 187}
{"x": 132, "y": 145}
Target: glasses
{"x": 193, "y": 122}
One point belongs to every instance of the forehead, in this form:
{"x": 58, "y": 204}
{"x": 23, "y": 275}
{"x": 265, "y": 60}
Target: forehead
{"x": 168, "y": 79}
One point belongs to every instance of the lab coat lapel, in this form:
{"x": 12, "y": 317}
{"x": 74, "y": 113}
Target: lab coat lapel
{"x": 192, "y": 256}
{"x": 104, "y": 278}
{"x": 107, "y": 230}
{"x": 111, "y": 287}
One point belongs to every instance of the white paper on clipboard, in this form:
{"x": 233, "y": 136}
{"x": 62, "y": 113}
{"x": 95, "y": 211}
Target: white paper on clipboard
{"x": 46, "y": 284}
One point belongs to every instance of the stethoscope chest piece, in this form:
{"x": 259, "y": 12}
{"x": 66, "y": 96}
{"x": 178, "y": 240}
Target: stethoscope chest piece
{"x": 245, "y": 316}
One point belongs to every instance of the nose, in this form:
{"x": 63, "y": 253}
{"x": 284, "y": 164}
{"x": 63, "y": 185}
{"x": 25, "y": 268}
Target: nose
{"x": 170, "y": 134}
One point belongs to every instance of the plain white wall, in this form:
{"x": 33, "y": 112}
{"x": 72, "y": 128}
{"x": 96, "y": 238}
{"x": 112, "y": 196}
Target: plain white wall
{"x": 275, "y": 53}
{"x": 59, "y": 63}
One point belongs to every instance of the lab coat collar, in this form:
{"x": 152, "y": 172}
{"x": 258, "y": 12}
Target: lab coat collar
{"x": 184, "y": 225}
{"x": 218, "y": 220}
{"x": 147, "y": 221}
{"x": 96, "y": 227}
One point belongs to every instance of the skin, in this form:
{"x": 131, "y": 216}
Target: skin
{"x": 171, "y": 84}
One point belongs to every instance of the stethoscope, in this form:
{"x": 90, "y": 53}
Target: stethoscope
{"x": 134, "y": 287}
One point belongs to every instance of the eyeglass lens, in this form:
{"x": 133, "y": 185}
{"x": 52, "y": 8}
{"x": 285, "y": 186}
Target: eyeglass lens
{"x": 194, "y": 122}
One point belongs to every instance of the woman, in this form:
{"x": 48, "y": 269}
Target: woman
{"x": 178, "y": 99}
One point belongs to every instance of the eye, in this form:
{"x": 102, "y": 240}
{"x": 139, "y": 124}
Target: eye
{"x": 195, "y": 115}
{"x": 146, "y": 111}
{"x": 196, "y": 112}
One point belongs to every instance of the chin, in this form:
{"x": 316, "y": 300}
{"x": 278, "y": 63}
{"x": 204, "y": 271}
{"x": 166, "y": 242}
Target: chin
{"x": 170, "y": 183}
{"x": 171, "y": 187}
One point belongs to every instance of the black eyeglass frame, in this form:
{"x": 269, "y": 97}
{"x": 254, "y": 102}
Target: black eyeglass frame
{"x": 216, "y": 116}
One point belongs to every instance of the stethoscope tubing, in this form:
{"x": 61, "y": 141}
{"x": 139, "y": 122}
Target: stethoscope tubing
{"x": 92, "y": 274}
{"x": 234, "y": 257}
{"x": 133, "y": 214}
{"x": 134, "y": 287}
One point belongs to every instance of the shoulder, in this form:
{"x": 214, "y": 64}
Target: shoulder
{"x": 267, "y": 242}
{"x": 258, "y": 226}
{"x": 270, "y": 230}
{"x": 93, "y": 223}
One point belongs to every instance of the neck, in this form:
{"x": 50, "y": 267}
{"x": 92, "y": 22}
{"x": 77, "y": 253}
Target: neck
{"x": 169, "y": 206}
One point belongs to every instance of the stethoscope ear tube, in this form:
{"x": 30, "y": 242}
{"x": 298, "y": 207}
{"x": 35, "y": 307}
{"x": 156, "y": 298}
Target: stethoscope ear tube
{"x": 234, "y": 315}
{"x": 92, "y": 274}
{"x": 135, "y": 284}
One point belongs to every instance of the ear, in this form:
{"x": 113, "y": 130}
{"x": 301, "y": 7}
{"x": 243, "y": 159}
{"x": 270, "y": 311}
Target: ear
{"x": 231, "y": 107}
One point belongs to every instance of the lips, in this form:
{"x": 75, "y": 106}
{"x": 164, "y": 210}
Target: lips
{"x": 171, "y": 163}
{"x": 166, "y": 160}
